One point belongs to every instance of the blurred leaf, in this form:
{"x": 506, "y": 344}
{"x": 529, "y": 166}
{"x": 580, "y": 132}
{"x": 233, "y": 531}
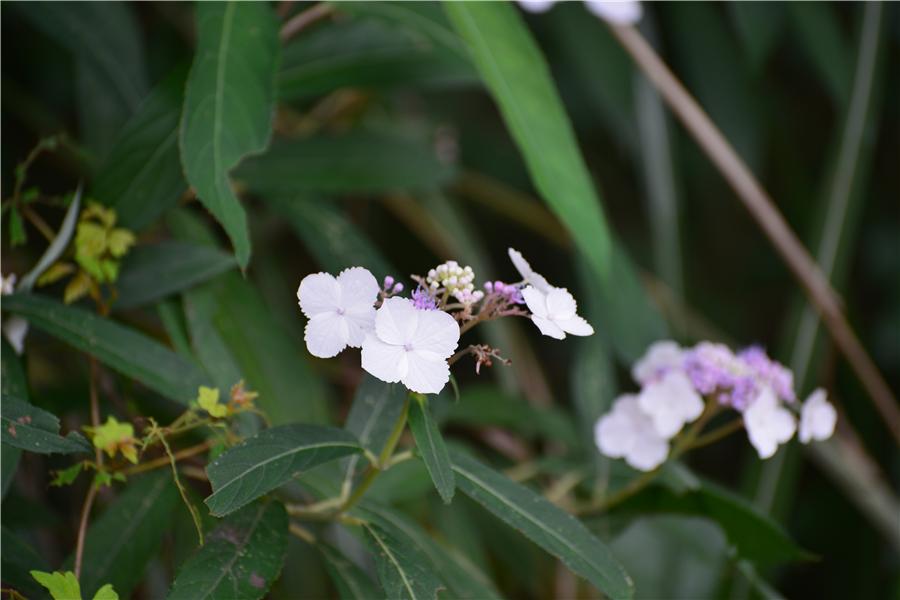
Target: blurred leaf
{"x": 403, "y": 569}
{"x": 375, "y": 410}
{"x": 127, "y": 351}
{"x": 17, "y": 235}
{"x": 517, "y": 75}
{"x": 369, "y": 54}
{"x": 819, "y": 29}
{"x": 228, "y": 106}
{"x": 152, "y": 272}
{"x": 142, "y": 176}
{"x": 350, "y": 581}
{"x": 270, "y": 459}
{"x": 548, "y": 526}
{"x": 27, "y": 427}
{"x": 759, "y": 25}
{"x": 173, "y": 321}
{"x": 200, "y": 307}
{"x": 359, "y": 161}
{"x": 13, "y": 383}
{"x": 18, "y": 559}
{"x": 56, "y": 247}
{"x": 242, "y": 556}
{"x": 431, "y": 447}
{"x": 332, "y": 238}
{"x": 121, "y": 543}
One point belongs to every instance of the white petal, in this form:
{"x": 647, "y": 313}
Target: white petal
{"x": 671, "y": 402}
{"x": 659, "y": 357}
{"x": 359, "y": 289}
{"x": 437, "y": 333}
{"x": 537, "y": 6}
{"x": 396, "y": 321}
{"x": 614, "y": 432}
{"x": 619, "y": 12}
{"x": 318, "y": 293}
{"x": 817, "y": 419}
{"x": 536, "y": 301}
{"x": 560, "y": 304}
{"x": 360, "y": 321}
{"x": 548, "y": 327}
{"x": 384, "y": 361}
{"x": 326, "y": 334}
{"x": 524, "y": 269}
{"x": 648, "y": 453}
{"x": 425, "y": 376}
{"x": 575, "y": 325}
{"x": 768, "y": 423}
{"x": 14, "y": 329}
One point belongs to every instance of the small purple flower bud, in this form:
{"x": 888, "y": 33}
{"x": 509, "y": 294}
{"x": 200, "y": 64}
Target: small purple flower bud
{"x": 489, "y": 287}
{"x": 388, "y": 282}
{"x": 398, "y": 287}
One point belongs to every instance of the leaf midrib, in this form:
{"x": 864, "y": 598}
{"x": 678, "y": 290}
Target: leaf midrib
{"x": 390, "y": 555}
{"x": 227, "y": 23}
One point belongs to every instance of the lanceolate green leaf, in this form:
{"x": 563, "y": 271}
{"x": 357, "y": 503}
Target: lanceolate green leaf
{"x": 519, "y": 80}
{"x": 431, "y": 447}
{"x": 376, "y": 407}
{"x": 351, "y": 582}
{"x": 403, "y": 569}
{"x": 554, "y": 530}
{"x": 270, "y": 459}
{"x": 228, "y": 105}
{"x": 128, "y": 534}
{"x": 131, "y": 353}
{"x": 152, "y": 272}
{"x": 241, "y": 557}
{"x": 27, "y": 427}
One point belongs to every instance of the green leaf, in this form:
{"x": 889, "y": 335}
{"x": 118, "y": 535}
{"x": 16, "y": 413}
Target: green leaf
{"x": 270, "y": 459}
{"x": 359, "y": 161}
{"x": 27, "y": 427}
{"x": 819, "y": 31}
{"x": 241, "y": 559}
{"x": 403, "y": 569}
{"x": 12, "y": 382}
{"x": 551, "y": 528}
{"x": 62, "y": 586}
{"x": 131, "y": 353}
{"x": 759, "y": 26}
{"x": 17, "y": 235}
{"x": 351, "y": 582}
{"x": 519, "y": 80}
{"x": 18, "y": 558}
{"x": 200, "y": 306}
{"x": 431, "y": 447}
{"x": 152, "y": 272}
{"x": 375, "y": 410}
{"x": 142, "y": 176}
{"x": 128, "y": 534}
{"x": 228, "y": 105}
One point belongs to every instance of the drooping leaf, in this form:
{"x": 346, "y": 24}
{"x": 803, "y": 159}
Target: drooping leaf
{"x": 375, "y": 410}
{"x": 270, "y": 459}
{"x": 403, "y": 569}
{"x": 56, "y": 247}
{"x": 27, "y": 427}
{"x": 228, "y": 105}
{"x": 360, "y": 161}
{"x": 13, "y": 383}
{"x": 432, "y": 448}
{"x": 152, "y": 272}
{"x": 128, "y": 534}
{"x": 142, "y": 176}
{"x": 241, "y": 559}
{"x": 131, "y": 353}
{"x": 351, "y": 582}
{"x": 548, "y": 526}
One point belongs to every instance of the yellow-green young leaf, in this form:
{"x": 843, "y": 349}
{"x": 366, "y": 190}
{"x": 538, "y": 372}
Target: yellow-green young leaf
{"x": 241, "y": 559}
{"x": 27, "y": 427}
{"x": 403, "y": 569}
{"x": 228, "y": 107}
{"x": 431, "y": 447}
{"x": 270, "y": 459}
{"x": 107, "y": 592}
{"x": 120, "y": 240}
{"x": 55, "y": 273}
{"x": 77, "y": 288}
{"x": 67, "y": 476}
{"x": 208, "y": 400}
{"x": 62, "y": 586}
{"x": 545, "y": 524}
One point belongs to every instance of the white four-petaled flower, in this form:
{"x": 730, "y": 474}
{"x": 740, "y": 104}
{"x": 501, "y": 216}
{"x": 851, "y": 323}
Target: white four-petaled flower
{"x": 628, "y": 432}
{"x": 670, "y": 402}
{"x": 659, "y": 358}
{"x": 411, "y": 346}
{"x": 528, "y": 274}
{"x": 554, "y": 313}
{"x": 817, "y": 418}
{"x": 768, "y": 423}
{"x": 341, "y": 310}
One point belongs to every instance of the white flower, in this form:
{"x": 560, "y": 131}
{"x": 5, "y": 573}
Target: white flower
{"x": 537, "y": 6}
{"x": 617, "y": 12}
{"x": 535, "y": 279}
{"x": 817, "y": 418}
{"x": 7, "y": 284}
{"x": 411, "y": 346}
{"x": 554, "y": 312}
{"x": 768, "y": 423}
{"x": 660, "y": 357}
{"x": 627, "y": 432}
{"x": 670, "y": 403}
{"x": 340, "y": 310}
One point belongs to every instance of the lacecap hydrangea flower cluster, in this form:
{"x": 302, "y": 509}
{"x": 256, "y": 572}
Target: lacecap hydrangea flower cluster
{"x": 413, "y": 340}
{"x": 679, "y": 384}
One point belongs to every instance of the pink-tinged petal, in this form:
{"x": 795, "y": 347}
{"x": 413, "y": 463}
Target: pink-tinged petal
{"x": 318, "y": 293}
{"x": 575, "y": 325}
{"x": 548, "y": 327}
{"x": 437, "y": 333}
{"x": 326, "y": 335}
{"x": 396, "y": 321}
{"x": 360, "y": 321}
{"x": 359, "y": 289}
{"x": 660, "y": 357}
{"x": 561, "y": 304}
{"x": 426, "y": 376}
{"x": 524, "y": 269}
{"x": 536, "y": 301}
{"x": 614, "y": 435}
{"x": 384, "y": 361}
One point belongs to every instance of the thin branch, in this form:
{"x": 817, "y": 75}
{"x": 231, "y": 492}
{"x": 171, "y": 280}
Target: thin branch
{"x": 763, "y": 209}
{"x": 82, "y": 528}
{"x": 302, "y": 20}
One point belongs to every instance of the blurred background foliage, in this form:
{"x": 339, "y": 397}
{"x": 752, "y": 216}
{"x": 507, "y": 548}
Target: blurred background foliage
{"x": 387, "y": 152}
